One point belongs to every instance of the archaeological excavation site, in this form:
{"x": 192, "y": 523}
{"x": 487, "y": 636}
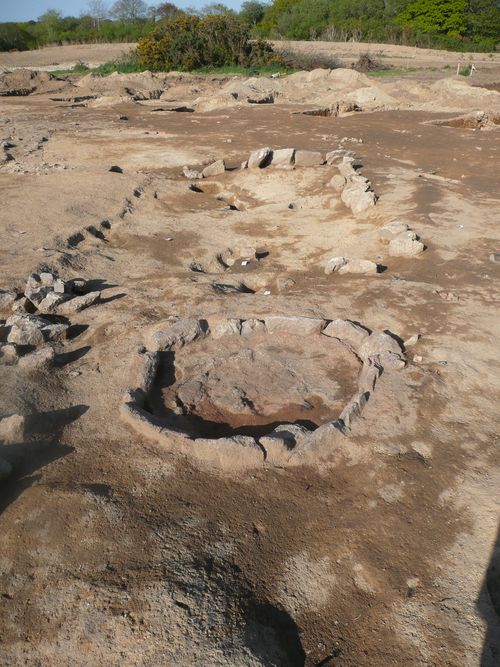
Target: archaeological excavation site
{"x": 249, "y": 362}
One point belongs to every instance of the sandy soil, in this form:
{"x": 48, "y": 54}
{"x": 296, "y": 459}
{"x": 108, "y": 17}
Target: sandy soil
{"x": 391, "y": 55}
{"x": 65, "y": 57}
{"x": 117, "y": 549}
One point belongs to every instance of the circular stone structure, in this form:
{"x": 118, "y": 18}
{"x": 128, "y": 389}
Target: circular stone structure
{"x": 240, "y": 393}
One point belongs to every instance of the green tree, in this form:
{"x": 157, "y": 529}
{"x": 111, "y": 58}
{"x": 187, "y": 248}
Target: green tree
{"x": 484, "y": 20}
{"x": 50, "y": 25}
{"x": 215, "y": 9}
{"x": 445, "y": 17}
{"x": 166, "y": 10}
{"x": 252, "y": 11}
{"x": 129, "y": 10}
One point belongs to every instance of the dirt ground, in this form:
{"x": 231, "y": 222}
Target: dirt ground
{"x": 119, "y": 550}
{"x": 390, "y": 55}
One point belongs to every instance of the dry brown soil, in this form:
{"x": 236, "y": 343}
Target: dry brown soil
{"x": 118, "y": 552}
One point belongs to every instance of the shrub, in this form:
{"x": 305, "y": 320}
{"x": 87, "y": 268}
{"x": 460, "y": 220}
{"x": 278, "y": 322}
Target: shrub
{"x": 366, "y": 63}
{"x": 188, "y": 42}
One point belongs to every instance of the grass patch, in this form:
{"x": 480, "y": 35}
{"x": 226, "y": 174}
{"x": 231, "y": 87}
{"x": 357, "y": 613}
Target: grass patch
{"x": 400, "y": 71}
{"x": 246, "y": 71}
{"x": 393, "y": 71}
{"x": 127, "y": 66}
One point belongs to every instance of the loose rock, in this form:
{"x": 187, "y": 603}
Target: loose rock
{"x": 283, "y": 157}
{"x": 337, "y": 182}
{"x": 405, "y": 245}
{"x": 334, "y": 264}
{"x": 298, "y": 326}
{"x": 192, "y": 174}
{"x": 7, "y": 299}
{"x": 214, "y": 169}
{"x": 12, "y": 429}
{"x": 79, "y": 303}
{"x": 308, "y": 158}
{"x": 260, "y": 159}
{"x": 359, "y": 266}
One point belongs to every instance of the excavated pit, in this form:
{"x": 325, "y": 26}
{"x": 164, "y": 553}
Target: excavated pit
{"x": 251, "y": 384}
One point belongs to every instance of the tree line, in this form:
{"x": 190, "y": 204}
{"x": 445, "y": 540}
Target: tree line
{"x": 450, "y": 24}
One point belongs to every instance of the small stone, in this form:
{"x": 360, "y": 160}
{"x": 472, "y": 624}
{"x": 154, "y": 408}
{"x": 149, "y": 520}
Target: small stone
{"x": 298, "y": 326}
{"x": 8, "y": 354}
{"x": 47, "y": 279}
{"x": 260, "y": 159}
{"x": 192, "y": 174}
{"x": 359, "y": 200}
{"x": 55, "y": 332}
{"x": 116, "y": 169}
{"x": 33, "y": 281}
{"x": 12, "y": 429}
{"x": 283, "y": 157}
{"x": 405, "y": 245}
{"x": 284, "y": 283}
{"x": 7, "y": 299}
{"x": 252, "y": 326}
{"x": 417, "y": 359}
{"x": 338, "y": 183}
{"x": 50, "y": 303}
{"x": 78, "y": 285}
{"x": 168, "y": 335}
{"x": 39, "y": 360}
{"x": 26, "y": 329}
{"x": 36, "y": 295}
{"x": 336, "y": 156}
{"x": 59, "y": 286}
{"x": 334, "y": 264}
{"x": 362, "y": 266}
{"x": 246, "y": 252}
{"x": 495, "y": 257}
{"x": 24, "y": 305}
{"x": 423, "y": 449}
{"x": 309, "y": 158}
{"x": 412, "y": 340}
{"x": 229, "y": 327}
{"x": 412, "y": 583}
{"x": 391, "y": 360}
{"x": 214, "y": 169}
{"x": 78, "y": 303}
{"x": 346, "y": 167}
{"x": 360, "y": 181}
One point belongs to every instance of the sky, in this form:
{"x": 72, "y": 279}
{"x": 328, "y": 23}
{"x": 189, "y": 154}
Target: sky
{"x": 28, "y": 10}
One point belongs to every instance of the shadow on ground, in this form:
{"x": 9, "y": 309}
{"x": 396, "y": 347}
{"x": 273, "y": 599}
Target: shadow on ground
{"x": 43, "y": 447}
{"x": 488, "y": 605}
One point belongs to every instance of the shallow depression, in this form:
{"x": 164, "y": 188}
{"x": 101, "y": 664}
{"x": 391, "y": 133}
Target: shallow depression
{"x": 247, "y": 385}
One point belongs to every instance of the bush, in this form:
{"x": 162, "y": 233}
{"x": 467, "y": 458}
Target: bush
{"x": 15, "y": 38}
{"x": 366, "y": 63}
{"x": 188, "y": 42}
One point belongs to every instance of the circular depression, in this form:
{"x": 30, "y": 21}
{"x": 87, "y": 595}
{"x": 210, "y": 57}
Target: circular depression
{"x": 248, "y": 385}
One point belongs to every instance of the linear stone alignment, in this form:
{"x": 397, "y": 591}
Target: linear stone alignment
{"x": 286, "y": 444}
